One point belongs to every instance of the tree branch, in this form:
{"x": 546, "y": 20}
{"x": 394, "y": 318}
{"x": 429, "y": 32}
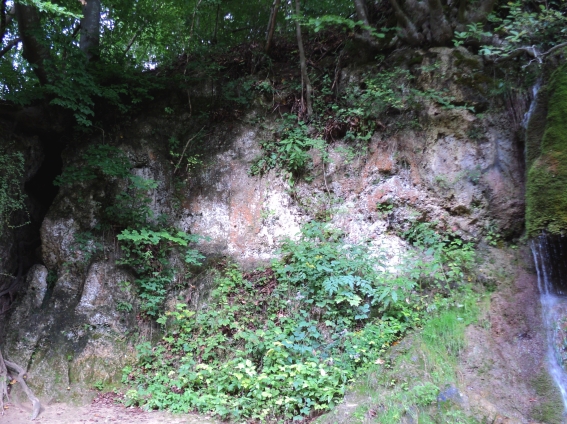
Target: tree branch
{"x": 410, "y": 33}
{"x": 272, "y": 25}
{"x": 9, "y": 46}
{"x": 134, "y": 38}
{"x": 30, "y": 29}
{"x": 554, "y": 48}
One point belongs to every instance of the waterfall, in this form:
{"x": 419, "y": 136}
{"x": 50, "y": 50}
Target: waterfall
{"x": 529, "y": 113}
{"x": 550, "y": 262}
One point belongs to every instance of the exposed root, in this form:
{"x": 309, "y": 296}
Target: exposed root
{"x": 20, "y": 378}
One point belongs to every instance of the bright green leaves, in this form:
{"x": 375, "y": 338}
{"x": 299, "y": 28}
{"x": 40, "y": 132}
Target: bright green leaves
{"x": 283, "y": 342}
{"x": 325, "y": 21}
{"x": 147, "y": 253}
{"x": 47, "y": 6}
{"x": 288, "y": 151}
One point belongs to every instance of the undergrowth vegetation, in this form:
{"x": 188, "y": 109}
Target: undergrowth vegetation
{"x": 354, "y": 114}
{"x": 417, "y": 382}
{"x": 285, "y": 342}
{"x": 147, "y": 242}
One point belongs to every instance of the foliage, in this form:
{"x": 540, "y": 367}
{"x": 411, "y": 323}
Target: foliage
{"x": 100, "y": 160}
{"x": 446, "y": 259}
{"x": 325, "y": 21}
{"x": 86, "y": 245}
{"x": 518, "y": 25}
{"x": 147, "y": 253}
{"x": 283, "y": 342}
{"x": 147, "y": 243}
{"x": 288, "y": 151}
{"x": 12, "y": 198}
{"x": 47, "y": 6}
{"x": 413, "y": 378}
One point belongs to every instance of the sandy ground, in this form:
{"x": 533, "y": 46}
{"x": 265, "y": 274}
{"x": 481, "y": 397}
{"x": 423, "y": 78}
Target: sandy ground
{"x": 102, "y": 410}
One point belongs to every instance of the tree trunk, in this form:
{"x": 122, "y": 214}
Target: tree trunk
{"x": 304, "y": 76}
{"x": 35, "y": 46}
{"x": 408, "y": 31}
{"x": 441, "y": 31}
{"x": 272, "y": 25}
{"x": 90, "y": 29}
{"x": 361, "y": 14}
{"x": 5, "y": 18}
{"x": 216, "y": 30}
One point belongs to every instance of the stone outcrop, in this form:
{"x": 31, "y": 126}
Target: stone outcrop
{"x": 458, "y": 169}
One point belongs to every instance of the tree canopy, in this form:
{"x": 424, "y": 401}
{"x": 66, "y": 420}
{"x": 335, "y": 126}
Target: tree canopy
{"x": 71, "y": 53}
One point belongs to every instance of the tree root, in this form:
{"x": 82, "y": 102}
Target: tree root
{"x": 20, "y": 378}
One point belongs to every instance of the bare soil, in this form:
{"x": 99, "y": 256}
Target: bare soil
{"x": 104, "y": 409}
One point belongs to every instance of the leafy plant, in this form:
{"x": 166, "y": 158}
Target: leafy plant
{"x": 282, "y": 342}
{"x": 147, "y": 252}
{"x": 288, "y": 151}
{"x": 100, "y": 160}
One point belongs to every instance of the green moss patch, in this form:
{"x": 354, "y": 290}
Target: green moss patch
{"x": 550, "y": 410}
{"x": 546, "y": 194}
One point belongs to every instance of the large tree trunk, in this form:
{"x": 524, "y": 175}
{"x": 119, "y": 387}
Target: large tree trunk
{"x": 306, "y": 82}
{"x": 90, "y": 29}
{"x": 407, "y": 30}
{"x": 361, "y": 14}
{"x": 272, "y": 25}
{"x": 441, "y": 31}
{"x": 35, "y": 51}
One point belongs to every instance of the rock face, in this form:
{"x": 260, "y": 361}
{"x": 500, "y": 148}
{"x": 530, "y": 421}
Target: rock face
{"x": 77, "y": 323}
{"x": 546, "y": 200}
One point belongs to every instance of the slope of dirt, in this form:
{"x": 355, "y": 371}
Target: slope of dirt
{"x": 103, "y": 409}
{"x": 503, "y": 370}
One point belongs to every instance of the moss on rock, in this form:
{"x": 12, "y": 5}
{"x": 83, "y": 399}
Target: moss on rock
{"x": 546, "y": 194}
{"x": 550, "y": 408}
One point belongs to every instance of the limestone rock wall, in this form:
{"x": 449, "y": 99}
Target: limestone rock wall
{"x": 459, "y": 169}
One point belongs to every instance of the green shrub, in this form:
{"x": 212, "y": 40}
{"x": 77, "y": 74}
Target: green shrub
{"x": 282, "y": 342}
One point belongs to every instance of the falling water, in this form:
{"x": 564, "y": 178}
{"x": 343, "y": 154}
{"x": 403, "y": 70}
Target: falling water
{"x": 529, "y": 113}
{"x": 550, "y": 260}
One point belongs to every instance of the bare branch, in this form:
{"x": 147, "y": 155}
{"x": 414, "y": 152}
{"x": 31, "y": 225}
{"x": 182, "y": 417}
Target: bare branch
{"x": 9, "y": 46}
{"x": 272, "y": 24}
{"x": 559, "y": 46}
{"x": 131, "y": 43}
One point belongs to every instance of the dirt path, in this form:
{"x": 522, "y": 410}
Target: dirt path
{"x": 102, "y": 410}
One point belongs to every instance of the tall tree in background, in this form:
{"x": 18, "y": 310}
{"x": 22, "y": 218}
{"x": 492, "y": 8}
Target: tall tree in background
{"x": 305, "y": 81}
{"x": 272, "y": 24}
{"x": 90, "y": 29}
